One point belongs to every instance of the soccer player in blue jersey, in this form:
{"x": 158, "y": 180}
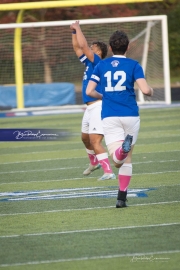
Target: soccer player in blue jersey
{"x": 120, "y": 114}
{"x": 92, "y": 130}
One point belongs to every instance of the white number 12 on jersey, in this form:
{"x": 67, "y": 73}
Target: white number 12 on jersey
{"x": 116, "y": 75}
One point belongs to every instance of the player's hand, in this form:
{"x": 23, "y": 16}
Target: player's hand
{"x": 75, "y": 25}
{"x": 152, "y": 92}
{"x": 71, "y": 27}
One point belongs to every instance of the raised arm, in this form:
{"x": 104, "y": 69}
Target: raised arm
{"x": 82, "y": 42}
{"x": 75, "y": 43}
{"x": 144, "y": 87}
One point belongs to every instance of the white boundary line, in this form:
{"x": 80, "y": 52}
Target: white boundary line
{"x": 82, "y": 149}
{"x": 85, "y": 209}
{"x": 98, "y": 258}
{"x": 69, "y": 168}
{"x": 91, "y": 230}
{"x": 80, "y": 157}
{"x": 82, "y": 178}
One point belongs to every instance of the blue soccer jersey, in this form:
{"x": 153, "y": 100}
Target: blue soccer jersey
{"x": 87, "y": 75}
{"x": 117, "y": 75}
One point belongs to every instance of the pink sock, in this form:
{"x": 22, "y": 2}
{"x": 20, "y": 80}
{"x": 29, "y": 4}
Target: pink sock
{"x": 124, "y": 181}
{"x": 92, "y": 157}
{"x": 104, "y": 161}
{"x": 119, "y": 154}
{"x": 124, "y": 176}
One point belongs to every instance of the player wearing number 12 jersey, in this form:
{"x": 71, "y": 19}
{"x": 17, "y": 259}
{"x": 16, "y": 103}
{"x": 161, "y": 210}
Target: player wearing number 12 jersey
{"x": 120, "y": 114}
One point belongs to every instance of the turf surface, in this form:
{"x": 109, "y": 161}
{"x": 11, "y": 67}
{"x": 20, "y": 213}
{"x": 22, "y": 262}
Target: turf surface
{"x": 51, "y": 217}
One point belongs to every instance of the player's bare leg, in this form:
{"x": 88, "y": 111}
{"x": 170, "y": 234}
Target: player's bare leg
{"x": 96, "y": 142}
{"x": 102, "y": 156}
{"x": 121, "y": 153}
{"x": 94, "y": 163}
{"x": 124, "y": 178}
{"x": 86, "y": 140}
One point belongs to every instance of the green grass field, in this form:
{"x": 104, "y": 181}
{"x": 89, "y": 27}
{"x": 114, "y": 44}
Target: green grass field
{"x": 51, "y": 217}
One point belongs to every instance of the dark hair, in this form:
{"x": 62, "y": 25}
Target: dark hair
{"x": 119, "y": 42}
{"x": 103, "y": 47}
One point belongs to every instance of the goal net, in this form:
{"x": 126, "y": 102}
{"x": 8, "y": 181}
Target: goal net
{"x": 48, "y": 56}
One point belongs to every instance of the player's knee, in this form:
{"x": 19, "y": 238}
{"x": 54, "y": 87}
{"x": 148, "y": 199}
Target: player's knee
{"x": 117, "y": 165}
{"x": 86, "y": 140}
{"x": 129, "y": 158}
{"x": 95, "y": 140}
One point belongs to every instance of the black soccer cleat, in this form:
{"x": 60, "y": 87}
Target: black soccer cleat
{"x": 126, "y": 145}
{"x": 121, "y": 199}
{"x": 120, "y": 204}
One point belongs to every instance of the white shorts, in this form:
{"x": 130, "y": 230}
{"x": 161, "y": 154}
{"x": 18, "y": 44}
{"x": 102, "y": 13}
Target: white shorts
{"x": 116, "y": 128}
{"x": 92, "y": 122}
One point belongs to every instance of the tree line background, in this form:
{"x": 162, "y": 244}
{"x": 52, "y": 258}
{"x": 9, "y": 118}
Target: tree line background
{"x": 171, "y": 8}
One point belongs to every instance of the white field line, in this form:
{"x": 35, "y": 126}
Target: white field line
{"x": 91, "y": 230}
{"x": 77, "y": 149}
{"x": 42, "y": 170}
{"x": 85, "y": 209}
{"x": 136, "y": 257}
{"x": 71, "y": 168}
{"x": 81, "y": 178}
{"x": 81, "y": 149}
{"x": 42, "y": 160}
{"x": 39, "y": 160}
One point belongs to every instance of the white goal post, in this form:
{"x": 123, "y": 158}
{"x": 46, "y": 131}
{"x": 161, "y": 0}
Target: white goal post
{"x": 48, "y": 56}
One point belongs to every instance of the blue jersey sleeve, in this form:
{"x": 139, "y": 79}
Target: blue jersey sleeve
{"x": 95, "y": 75}
{"x": 87, "y": 75}
{"x": 97, "y": 59}
{"x": 83, "y": 59}
{"x": 138, "y": 72}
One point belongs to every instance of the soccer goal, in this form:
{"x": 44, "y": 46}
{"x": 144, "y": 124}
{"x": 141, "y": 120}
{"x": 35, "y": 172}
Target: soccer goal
{"x": 48, "y": 56}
